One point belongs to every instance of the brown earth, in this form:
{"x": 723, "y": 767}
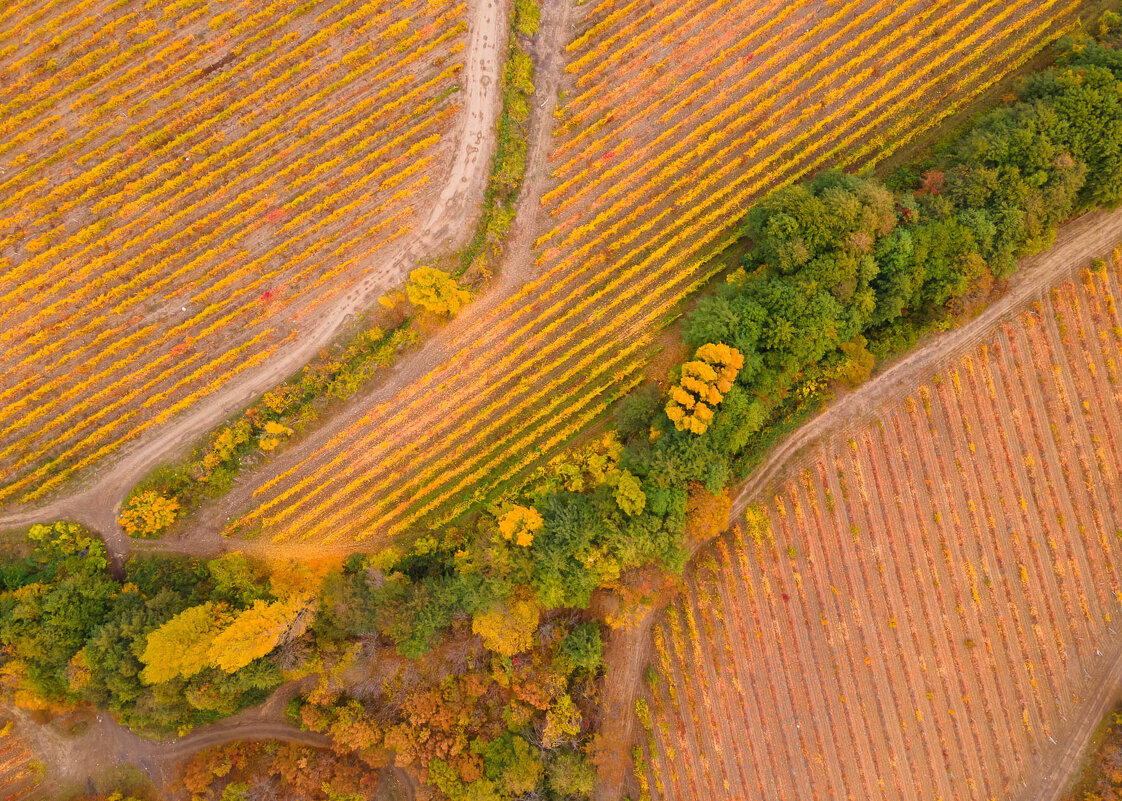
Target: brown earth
{"x": 934, "y": 614}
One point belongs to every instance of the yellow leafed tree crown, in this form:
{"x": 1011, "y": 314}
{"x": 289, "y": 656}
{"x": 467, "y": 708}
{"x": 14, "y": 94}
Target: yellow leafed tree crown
{"x": 703, "y": 385}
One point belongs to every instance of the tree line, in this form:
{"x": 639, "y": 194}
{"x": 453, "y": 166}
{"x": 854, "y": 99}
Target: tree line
{"x": 839, "y": 271}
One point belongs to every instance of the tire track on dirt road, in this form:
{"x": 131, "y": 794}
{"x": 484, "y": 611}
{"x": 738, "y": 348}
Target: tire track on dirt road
{"x": 449, "y": 223}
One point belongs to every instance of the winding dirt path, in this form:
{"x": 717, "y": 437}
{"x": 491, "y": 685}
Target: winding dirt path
{"x": 450, "y": 222}
{"x": 96, "y": 506}
{"x": 107, "y": 744}
{"x": 203, "y": 536}
{"x": 1078, "y": 242}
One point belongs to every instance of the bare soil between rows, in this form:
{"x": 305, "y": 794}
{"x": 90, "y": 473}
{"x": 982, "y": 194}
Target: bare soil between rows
{"x": 1078, "y": 242}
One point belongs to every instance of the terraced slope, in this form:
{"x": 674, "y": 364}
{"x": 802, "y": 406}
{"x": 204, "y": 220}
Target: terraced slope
{"x": 185, "y": 186}
{"x": 676, "y": 118}
{"x": 938, "y": 594}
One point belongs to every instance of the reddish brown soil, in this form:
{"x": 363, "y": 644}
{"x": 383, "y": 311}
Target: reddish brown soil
{"x": 935, "y": 617}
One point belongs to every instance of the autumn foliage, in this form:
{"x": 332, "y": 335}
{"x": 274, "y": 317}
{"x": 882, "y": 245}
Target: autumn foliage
{"x": 210, "y": 635}
{"x": 436, "y": 291}
{"x": 499, "y": 728}
{"x": 703, "y": 385}
{"x": 148, "y": 513}
{"x": 1102, "y": 774}
{"x": 280, "y": 771}
{"x": 509, "y": 627}
{"x": 519, "y": 524}
{"x": 707, "y": 513}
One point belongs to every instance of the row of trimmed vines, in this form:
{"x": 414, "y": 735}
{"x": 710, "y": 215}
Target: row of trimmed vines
{"x": 932, "y": 598}
{"x": 181, "y": 184}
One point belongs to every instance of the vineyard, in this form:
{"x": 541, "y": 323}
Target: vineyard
{"x": 675, "y": 118}
{"x": 19, "y": 773}
{"x": 925, "y": 605}
{"x": 183, "y": 185}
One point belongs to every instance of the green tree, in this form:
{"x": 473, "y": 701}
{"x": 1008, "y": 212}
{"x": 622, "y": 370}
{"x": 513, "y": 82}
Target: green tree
{"x": 512, "y": 766}
{"x": 584, "y": 647}
{"x": 569, "y": 774}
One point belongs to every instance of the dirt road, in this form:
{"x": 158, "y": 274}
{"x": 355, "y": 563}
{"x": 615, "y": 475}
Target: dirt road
{"x": 450, "y": 222}
{"x": 1058, "y": 771}
{"x": 106, "y": 744}
{"x": 203, "y": 537}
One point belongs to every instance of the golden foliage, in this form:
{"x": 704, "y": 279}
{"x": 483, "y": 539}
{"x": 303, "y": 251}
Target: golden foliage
{"x": 562, "y": 722}
{"x": 436, "y": 291}
{"x": 255, "y": 632}
{"x": 758, "y": 524}
{"x": 703, "y": 385}
{"x": 858, "y": 364}
{"x": 509, "y": 628}
{"x": 274, "y": 434}
{"x": 707, "y": 514}
{"x": 519, "y": 525}
{"x": 181, "y": 647}
{"x": 148, "y": 514}
{"x": 210, "y": 635}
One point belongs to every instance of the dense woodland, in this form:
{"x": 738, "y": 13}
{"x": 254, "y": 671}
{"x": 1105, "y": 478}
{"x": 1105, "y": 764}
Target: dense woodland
{"x": 841, "y": 271}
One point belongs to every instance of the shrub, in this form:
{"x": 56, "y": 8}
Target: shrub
{"x": 148, "y": 514}
{"x": 436, "y": 291}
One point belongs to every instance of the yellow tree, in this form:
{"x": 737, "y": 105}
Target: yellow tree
{"x": 256, "y": 631}
{"x": 707, "y": 515}
{"x": 436, "y": 291}
{"x": 703, "y": 385}
{"x": 520, "y": 524}
{"x": 508, "y": 629}
{"x": 148, "y": 514}
{"x": 629, "y": 495}
{"x": 181, "y": 647}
